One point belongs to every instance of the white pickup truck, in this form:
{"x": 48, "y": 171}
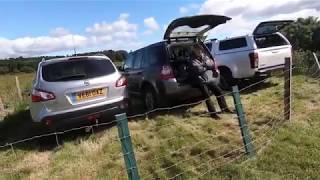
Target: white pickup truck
{"x": 253, "y": 55}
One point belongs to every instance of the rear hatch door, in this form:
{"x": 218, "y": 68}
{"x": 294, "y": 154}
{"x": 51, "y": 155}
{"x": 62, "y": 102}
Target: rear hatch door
{"x": 193, "y": 26}
{"x": 269, "y": 27}
{"x": 79, "y": 82}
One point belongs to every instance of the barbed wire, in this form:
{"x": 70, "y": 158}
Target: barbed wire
{"x": 146, "y": 114}
{"x": 240, "y": 147}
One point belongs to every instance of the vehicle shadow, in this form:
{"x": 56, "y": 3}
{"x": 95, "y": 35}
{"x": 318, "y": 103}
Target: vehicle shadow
{"x": 18, "y": 126}
{"x": 251, "y": 86}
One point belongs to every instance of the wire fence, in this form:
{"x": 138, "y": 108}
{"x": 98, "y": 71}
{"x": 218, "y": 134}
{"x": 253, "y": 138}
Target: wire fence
{"x": 203, "y": 162}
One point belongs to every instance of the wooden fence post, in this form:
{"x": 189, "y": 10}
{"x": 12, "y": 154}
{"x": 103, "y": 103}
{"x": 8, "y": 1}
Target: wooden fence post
{"x": 18, "y": 88}
{"x": 242, "y": 122}
{"x": 1, "y": 106}
{"x": 127, "y": 149}
{"x": 287, "y": 88}
{"x": 317, "y": 61}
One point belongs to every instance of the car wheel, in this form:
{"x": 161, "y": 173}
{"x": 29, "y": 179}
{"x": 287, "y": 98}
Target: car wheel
{"x": 226, "y": 82}
{"x": 149, "y": 99}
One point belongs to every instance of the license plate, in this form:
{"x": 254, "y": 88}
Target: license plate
{"x": 91, "y": 94}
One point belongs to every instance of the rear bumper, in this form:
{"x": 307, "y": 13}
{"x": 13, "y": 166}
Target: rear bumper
{"x": 172, "y": 90}
{"x": 86, "y": 116}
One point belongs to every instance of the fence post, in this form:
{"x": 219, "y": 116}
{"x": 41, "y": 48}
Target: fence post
{"x": 127, "y": 149}
{"x": 316, "y": 58}
{"x": 242, "y": 122}
{"x": 1, "y": 106}
{"x": 18, "y": 88}
{"x": 287, "y": 88}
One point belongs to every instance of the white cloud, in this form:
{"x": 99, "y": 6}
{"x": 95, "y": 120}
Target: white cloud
{"x": 189, "y": 9}
{"x": 120, "y": 34}
{"x": 246, "y": 14}
{"x": 59, "y": 31}
{"x": 30, "y": 46}
{"x": 151, "y": 25}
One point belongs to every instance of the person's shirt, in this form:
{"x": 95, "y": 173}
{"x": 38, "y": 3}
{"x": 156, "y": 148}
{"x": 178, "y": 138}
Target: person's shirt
{"x": 203, "y": 69}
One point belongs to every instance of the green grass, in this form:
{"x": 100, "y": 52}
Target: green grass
{"x": 8, "y": 90}
{"x": 292, "y": 150}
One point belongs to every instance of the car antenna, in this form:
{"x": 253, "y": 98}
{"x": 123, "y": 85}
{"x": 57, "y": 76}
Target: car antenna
{"x": 74, "y": 47}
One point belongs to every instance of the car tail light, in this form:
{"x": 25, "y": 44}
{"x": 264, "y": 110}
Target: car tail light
{"x": 122, "y": 81}
{"x": 40, "y": 95}
{"x": 166, "y": 73}
{"x": 254, "y": 60}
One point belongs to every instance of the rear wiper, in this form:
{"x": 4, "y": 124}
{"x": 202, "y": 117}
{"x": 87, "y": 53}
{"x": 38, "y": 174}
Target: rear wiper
{"x": 75, "y": 76}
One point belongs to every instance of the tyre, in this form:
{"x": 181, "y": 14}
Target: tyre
{"x": 227, "y": 81}
{"x": 149, "y": 99}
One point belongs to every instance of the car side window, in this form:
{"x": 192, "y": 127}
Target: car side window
{"x": 129, "y": 62}
{"x": 232, "y": 44}
{"x": 209, "y": 45}
{"x": 137, "y": 60}
{"x": 155, "y": 55}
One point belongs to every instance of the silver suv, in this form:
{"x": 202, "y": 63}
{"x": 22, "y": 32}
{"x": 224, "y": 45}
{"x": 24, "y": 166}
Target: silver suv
{"x": 77, "y": 89}
{"x": 158, "y": 74}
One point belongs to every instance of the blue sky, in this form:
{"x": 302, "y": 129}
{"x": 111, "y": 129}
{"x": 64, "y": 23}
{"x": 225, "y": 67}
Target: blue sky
{"x": 31, "y": 28}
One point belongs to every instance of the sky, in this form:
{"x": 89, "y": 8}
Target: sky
{"x": 34, "y": 28}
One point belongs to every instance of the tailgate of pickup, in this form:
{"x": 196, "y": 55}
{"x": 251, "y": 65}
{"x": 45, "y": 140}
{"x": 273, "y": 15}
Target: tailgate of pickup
{"x": 273, "y": 57}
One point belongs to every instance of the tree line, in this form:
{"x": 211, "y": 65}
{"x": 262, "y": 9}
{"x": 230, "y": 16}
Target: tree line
{"x": 304, "y": 36}
{"x": 30, "y": 64}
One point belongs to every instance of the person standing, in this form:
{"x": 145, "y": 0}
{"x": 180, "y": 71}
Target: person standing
{"x": 204, "y": 75}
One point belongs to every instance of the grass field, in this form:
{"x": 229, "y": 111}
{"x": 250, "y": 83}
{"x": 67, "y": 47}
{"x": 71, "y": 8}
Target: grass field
{"x": 207, "y": 148}
{"x": 8, "y": 90}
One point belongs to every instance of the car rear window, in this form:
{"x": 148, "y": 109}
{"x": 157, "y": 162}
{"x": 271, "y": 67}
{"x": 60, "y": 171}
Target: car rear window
{"x": 271, "y": 40}
{"x": 232, "y": 44}
{"x": 77, "y": 69}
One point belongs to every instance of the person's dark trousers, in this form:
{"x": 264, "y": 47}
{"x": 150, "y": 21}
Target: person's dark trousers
{"x": 206, "y": 94}
{"x": 217, "y": 91}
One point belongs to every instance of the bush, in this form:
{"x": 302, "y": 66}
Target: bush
{"x": 26, "y": 69}
{"x": 4, "y": 69}
{"x": 304, "y": 61}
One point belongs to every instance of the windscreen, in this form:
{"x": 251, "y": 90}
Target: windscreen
{"x": 271, "y": 40}
{"x": 77, "y": 69}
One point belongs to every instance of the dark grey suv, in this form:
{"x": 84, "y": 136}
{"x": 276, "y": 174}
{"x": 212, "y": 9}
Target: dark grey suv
{"x": 158, "y": 73}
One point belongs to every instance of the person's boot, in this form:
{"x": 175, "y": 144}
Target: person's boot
{"x": 229, "y": 111}
{"x": 223, "y": 105}
{"x": 209, "y": 103}
{"x": 215, "y": 116}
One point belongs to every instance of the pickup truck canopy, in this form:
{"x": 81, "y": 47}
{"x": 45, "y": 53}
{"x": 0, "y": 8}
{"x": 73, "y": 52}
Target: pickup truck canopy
{"x": 269, "y": 27}
{"x": 193, "y": 26}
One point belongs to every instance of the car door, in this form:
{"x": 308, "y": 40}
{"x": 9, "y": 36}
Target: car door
{"x": 136, "y": 74}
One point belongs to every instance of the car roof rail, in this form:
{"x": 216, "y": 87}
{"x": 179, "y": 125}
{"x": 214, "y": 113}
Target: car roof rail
{"x": 100, "y": 54}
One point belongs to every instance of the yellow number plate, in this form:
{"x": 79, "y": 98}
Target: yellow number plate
{"x": 91, "y": 94}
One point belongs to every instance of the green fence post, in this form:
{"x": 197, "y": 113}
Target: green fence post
{"x": 127, "y": 149}
{"x": 242, "y": 121}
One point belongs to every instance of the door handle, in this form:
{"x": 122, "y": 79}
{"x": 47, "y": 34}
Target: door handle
{"x": 274, "y": 52}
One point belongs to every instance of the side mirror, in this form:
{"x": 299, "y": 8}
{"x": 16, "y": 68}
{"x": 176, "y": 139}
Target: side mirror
{"x": 120, "y": 68}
